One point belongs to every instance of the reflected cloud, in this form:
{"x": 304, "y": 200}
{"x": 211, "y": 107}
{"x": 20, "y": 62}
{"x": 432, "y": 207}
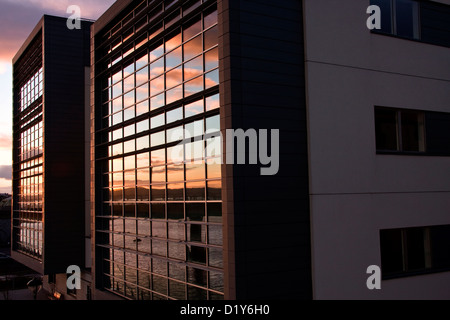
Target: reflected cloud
{"x": 18, "y": 18}
{"x": 5, "y": 172}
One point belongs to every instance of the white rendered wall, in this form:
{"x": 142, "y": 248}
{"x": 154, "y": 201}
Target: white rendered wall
{"x": 354, "y": 191}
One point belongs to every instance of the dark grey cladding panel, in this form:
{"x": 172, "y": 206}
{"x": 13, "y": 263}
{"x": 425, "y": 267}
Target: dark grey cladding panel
{"x": 435, "y": 23}
{"x": 265, "y": 89}
{"x": 65, "y": 60}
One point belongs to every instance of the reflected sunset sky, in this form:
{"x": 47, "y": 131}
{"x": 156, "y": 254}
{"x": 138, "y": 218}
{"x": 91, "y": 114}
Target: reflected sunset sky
{"x": 17, "y": 20}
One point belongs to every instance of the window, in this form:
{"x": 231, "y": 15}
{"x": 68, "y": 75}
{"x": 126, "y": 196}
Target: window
{"x": 399, "y": 17}
{"x": 412, "y": 251}
{"x": 426, "y": 21}
{"x": 399, "y": 130}
{"x": 412, "y": 131}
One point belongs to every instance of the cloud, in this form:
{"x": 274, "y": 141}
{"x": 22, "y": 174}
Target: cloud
{"x": 5, "y": 141}
{"x": 5, "y": 172}
{"x": 19, "y": 17}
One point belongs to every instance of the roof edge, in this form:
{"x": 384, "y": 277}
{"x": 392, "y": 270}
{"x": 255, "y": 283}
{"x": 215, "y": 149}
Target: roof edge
{"x": 113, "y": 11}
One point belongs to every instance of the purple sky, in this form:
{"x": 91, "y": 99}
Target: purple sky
{"x": 17, "y": 20}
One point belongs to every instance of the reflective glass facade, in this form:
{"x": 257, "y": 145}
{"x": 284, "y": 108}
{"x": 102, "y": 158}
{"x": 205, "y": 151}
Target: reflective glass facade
{"x": 28, "y": 145}
{"x": 158, "y": 175}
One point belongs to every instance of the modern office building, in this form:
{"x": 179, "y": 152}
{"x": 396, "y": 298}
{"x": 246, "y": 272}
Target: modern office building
{"x": 195, "y": 229}
{"x": 378, "y": 107}
{"x": 363, "y": 152}
{"x": 49, "y": 193}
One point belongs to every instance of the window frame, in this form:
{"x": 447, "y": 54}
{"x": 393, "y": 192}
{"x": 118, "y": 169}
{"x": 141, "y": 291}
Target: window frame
{"x": 399, "y": 132}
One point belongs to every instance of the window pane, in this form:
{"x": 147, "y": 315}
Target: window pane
{"x": 158, "y": 211}
{"x": 192, "y": 30}
{"x": 193, "y": 109}
{"x": 215, "y": 212}
{"x": 407, "y": 17}
{"x": 197, "y": 276}
{"x": 175, "y": 173}
{"x": 142, "y": 92}
{"x": 175, "y": 211}
{"x": 193, "y": 48}
{"x": 212, "y": 59}
{"x": 174, "y": 42}
{"x": 215, "y": 190}
{"x": 195, "y": 191}
{"x": 215, "y": 257}
{"x": 128, "y": 99}
{"x": 157, "y": 102}
{"x": 196, "y": 254}
{"x": 156, "y": 53}
{"x": 156, "y": 68}
{"x": 213, "y": 124}
{"x": 391, "y": 251}
{"x": 212, "y": 102}
{"x": 175, "y": 192}
{"x": 193, "y": 86}
{"x": 157, "y": 85}
{"x": 211, "y": 37}
{"x": 157, "y": 121}
{"x": 143, "y": 194}
{"x": 194, "y": 68}
{"x": 210, "y": 19}
{"x": 216, "y": 281}
{"x": 195, "y": 171}
{"x": 174, "y": 77}
{"x": 174, "y": 94}
{"x": 174, "y": 115}
{"x": 141, "y": 76}
{"x": 195, "y": 211}
{"x": 158, "y": 192}
{"x": 157, "y": 138}
{"x": 142, "y": 126}
{"x": 440, "y": 246}
{"x": 158, "y": 157}
{"x": 143, "y": 160}
{"x": 159, "y": 229}
{"x": 215, "y": 235}
{"x": 415, "y": 248}
{"x": 413, "y": 137}
{"x": 142, "y": 108}
{"x": 196, "y": 233}
{"x": 158, "y": 174}
{"x": 177, "y": 290}
{"x": 386, "y": 129}
{"x": 177, "y": 250}
{"x": 128, "y": 84}
{"x": 174, "y": 58}
{"x": 212, "y": 79}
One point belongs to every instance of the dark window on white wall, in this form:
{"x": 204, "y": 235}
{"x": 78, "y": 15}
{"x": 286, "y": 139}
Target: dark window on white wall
{"x": 412, "y": 251}
{"x": 399, "y": 17}
{"x": 412, "y": 131}
{"x": 400, "y": 130}
{"x": 426, "y": 21}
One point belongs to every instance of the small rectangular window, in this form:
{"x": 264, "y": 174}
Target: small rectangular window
{"x": 400, "y": 130}
{"x": 409, "y": 251}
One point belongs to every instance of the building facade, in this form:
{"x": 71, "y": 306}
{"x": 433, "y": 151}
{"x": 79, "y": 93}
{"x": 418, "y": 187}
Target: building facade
{"x": 362, "y": 153}
{"x": 49, "y": 99}
{"x": 173, "y": 224}
{"x": 379, "y": 142}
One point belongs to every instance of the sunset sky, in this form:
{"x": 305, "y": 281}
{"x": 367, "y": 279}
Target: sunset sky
{"x": 17, "y": 20}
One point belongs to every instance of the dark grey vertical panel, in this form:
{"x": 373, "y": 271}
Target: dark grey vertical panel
{"x": 65, "y": 59}
{"x": 263, "y": 87}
